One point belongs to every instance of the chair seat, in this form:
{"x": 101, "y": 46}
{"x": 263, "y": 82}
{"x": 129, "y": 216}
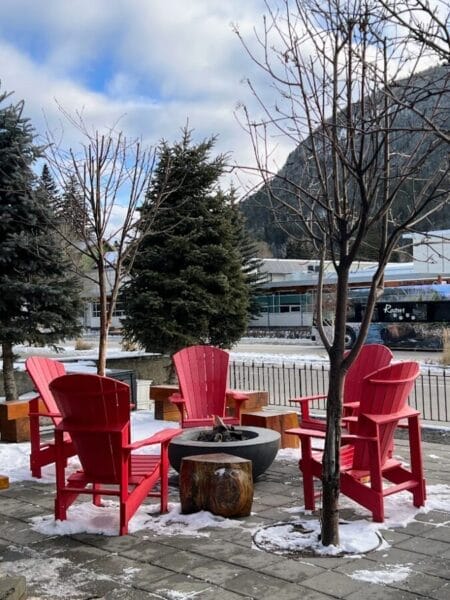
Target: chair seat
{"x": 359, "y": 474}
{"x": 51, "y": 441}
{"x": 346, "y": 454}
{"x": 142, "y": 466}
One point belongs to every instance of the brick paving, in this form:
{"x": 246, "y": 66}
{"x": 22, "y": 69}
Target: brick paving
{"x": 225, "y": 565}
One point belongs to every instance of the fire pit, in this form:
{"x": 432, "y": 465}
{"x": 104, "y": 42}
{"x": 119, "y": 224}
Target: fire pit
{"x": 256, "y": 444}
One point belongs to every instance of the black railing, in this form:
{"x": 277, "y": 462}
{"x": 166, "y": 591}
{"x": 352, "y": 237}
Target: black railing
{"x": 431, "y": 393}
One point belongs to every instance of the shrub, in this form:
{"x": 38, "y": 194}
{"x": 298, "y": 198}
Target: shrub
{"x": 81, "y": 344}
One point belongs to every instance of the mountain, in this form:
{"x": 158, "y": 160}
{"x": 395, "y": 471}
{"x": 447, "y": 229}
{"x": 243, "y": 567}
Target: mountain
{"x": 261, "y": 220}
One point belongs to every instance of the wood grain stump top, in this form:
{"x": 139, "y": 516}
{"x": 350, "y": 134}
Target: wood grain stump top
{"x": 218, "y": 482}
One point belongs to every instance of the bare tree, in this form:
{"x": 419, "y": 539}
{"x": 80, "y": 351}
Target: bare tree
{"x": 426, "y": 22}
{"x": 424, "y": 25}
{"x": 329, "y": 63}
{"x": 109, "y": 175}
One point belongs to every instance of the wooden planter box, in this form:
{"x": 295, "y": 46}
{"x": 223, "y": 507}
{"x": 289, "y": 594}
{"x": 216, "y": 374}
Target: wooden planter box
{"x": 14, "y": 421}
{"x": 278, "y": 421}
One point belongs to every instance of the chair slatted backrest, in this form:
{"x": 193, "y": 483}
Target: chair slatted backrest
{"x": 90, "y": 406}
{"x": 42, "y": 371}
{"x": 384, "y": 392}
{"x": 202, "y": 375}
{"x": 370, "y": 358}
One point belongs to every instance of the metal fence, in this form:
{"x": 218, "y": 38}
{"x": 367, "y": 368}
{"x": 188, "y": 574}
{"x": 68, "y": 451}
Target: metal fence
{"x": 431, "y": 395}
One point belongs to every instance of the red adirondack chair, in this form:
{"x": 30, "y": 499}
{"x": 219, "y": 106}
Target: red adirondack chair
{"x": 42, "y": 371}
{"x": 370, "y": 358}
{"x": 95, "y": 412}
{"x": 365, "y": 455}
{"x": 202, "y": 376}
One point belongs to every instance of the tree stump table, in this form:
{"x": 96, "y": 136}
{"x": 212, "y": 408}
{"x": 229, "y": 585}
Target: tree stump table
{"x": 220, "y": 483}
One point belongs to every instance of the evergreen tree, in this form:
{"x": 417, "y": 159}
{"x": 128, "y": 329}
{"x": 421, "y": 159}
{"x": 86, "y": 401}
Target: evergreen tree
{"x": 73, "y": 208}
{"x": 39, "y": 301}
{"x": 303, "y": 248}
{"x": 49, "y": 190}
{"x": 187, "y": 285}
{"x": 251, "y": 265}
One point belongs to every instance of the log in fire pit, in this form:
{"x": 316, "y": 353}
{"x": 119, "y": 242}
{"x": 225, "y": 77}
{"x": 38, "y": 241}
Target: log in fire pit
{"x": 253, "y": 443}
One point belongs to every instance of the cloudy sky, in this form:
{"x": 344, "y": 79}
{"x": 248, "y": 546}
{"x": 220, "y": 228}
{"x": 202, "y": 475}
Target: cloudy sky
{"x": 153, "y": 64}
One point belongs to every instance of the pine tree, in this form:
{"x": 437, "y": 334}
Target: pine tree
{"x": 251, "y": 265}
{"x": 49, "y": 190}
{"x": 73, "y": 208}
{"x": 39, "y": 300}
{"x": 187, "y": 285}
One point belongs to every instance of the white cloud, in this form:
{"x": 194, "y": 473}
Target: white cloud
{"x": 166, "y": 64}
{"x": 152, "y": 64}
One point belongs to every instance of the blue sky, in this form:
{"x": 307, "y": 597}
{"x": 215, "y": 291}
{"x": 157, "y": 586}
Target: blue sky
{"x": 153, "y": 64}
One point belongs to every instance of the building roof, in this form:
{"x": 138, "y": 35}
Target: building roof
{"x": 396, "y": 272}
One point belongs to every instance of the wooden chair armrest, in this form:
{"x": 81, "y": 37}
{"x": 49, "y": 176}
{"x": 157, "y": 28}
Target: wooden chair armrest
{"x": 383, "y": 419}
{"x": 308, "y": 398}
{"x": 350, "y": 438}
{"x": 300, "y": 431}
{"x": 237, "y": 396}
{"x": 351, "y": 404}
{"x": 32, "y": 413}
{"x": 177, "y": 398}
{"x": 351, "y": 419}
{"x": 165, "y": 435}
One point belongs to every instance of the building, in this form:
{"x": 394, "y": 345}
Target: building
{"x": 288, "y": 304}
{"x": 431, "y": 252}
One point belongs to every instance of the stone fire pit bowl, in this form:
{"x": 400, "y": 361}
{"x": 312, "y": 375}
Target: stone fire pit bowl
{"x": 261, "y": 447}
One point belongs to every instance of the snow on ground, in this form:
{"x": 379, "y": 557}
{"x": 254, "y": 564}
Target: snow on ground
{"x": 259, "y": 358}
{"x": 308, "y": 352}
{"x": 67, "y": 352}
{"x": 358, "y": 536}
{"x": 390, "y": 574}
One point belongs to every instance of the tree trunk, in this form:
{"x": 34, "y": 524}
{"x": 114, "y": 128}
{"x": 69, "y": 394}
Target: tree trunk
{"x": 104, "y": 322}
{"x": 102, "y": 349}
{"x": 331, "y": 455}
{"x": 330, "y": 464}
{"x": 9, "y": 382}
{"x": 217, "y": 482}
